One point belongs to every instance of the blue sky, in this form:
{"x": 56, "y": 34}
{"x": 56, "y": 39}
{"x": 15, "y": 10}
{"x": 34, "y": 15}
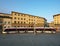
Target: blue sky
{"x": 43, "y": 8}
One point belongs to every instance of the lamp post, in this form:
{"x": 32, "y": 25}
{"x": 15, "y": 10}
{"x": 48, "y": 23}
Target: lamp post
{"x": 34, "y": 27}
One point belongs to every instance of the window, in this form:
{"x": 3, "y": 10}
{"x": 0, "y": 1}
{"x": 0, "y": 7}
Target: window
{"x": 14, "y": 21}
{"x": 14, "y": 17}
{"x": 18, "y": 22}
{"x": 8, "y": 22}
{"x": 24, "y": 22}
{"x": 24, "y": 18}
{"x": 29, "y": 19}
{"x": 21, "y": 22}
{"x": 21, "y": 18}
{"x": 15, "y": 13}
{"x": 18, "y": 18}
{"x": 5, "y": 27}
{"x": 22, "y": 15}
{"x": 29, "y": 26}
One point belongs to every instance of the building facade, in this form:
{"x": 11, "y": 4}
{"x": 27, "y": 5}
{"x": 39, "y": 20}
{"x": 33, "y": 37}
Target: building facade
{"x": 57, "y": 21}
{"x": 26, "y": 20}
{"x": 5, "y": 21}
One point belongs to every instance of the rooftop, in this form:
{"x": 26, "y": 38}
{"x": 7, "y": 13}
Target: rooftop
{"x": 28, "y": 14}
{"x": 56, "y": 15}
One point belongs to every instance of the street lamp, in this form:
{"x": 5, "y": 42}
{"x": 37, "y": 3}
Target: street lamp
{"x": 34, "y": 27}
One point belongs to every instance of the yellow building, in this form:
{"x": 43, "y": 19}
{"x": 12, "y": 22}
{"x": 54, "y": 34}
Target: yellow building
{"x": 57, "y": 21}
{"x": 26, "y": 20}
{"x": 5, "y": 21}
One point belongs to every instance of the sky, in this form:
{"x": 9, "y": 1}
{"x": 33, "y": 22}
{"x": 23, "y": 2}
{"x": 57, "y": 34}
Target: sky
{"x": 42, "y": 8}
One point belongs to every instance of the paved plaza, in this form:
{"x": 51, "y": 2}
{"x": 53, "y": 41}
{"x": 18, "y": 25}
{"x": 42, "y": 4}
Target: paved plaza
{"x": 42, "y": 39}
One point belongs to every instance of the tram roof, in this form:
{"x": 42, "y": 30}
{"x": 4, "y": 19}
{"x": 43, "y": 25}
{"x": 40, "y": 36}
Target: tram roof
{"x": 29, "y": 27}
